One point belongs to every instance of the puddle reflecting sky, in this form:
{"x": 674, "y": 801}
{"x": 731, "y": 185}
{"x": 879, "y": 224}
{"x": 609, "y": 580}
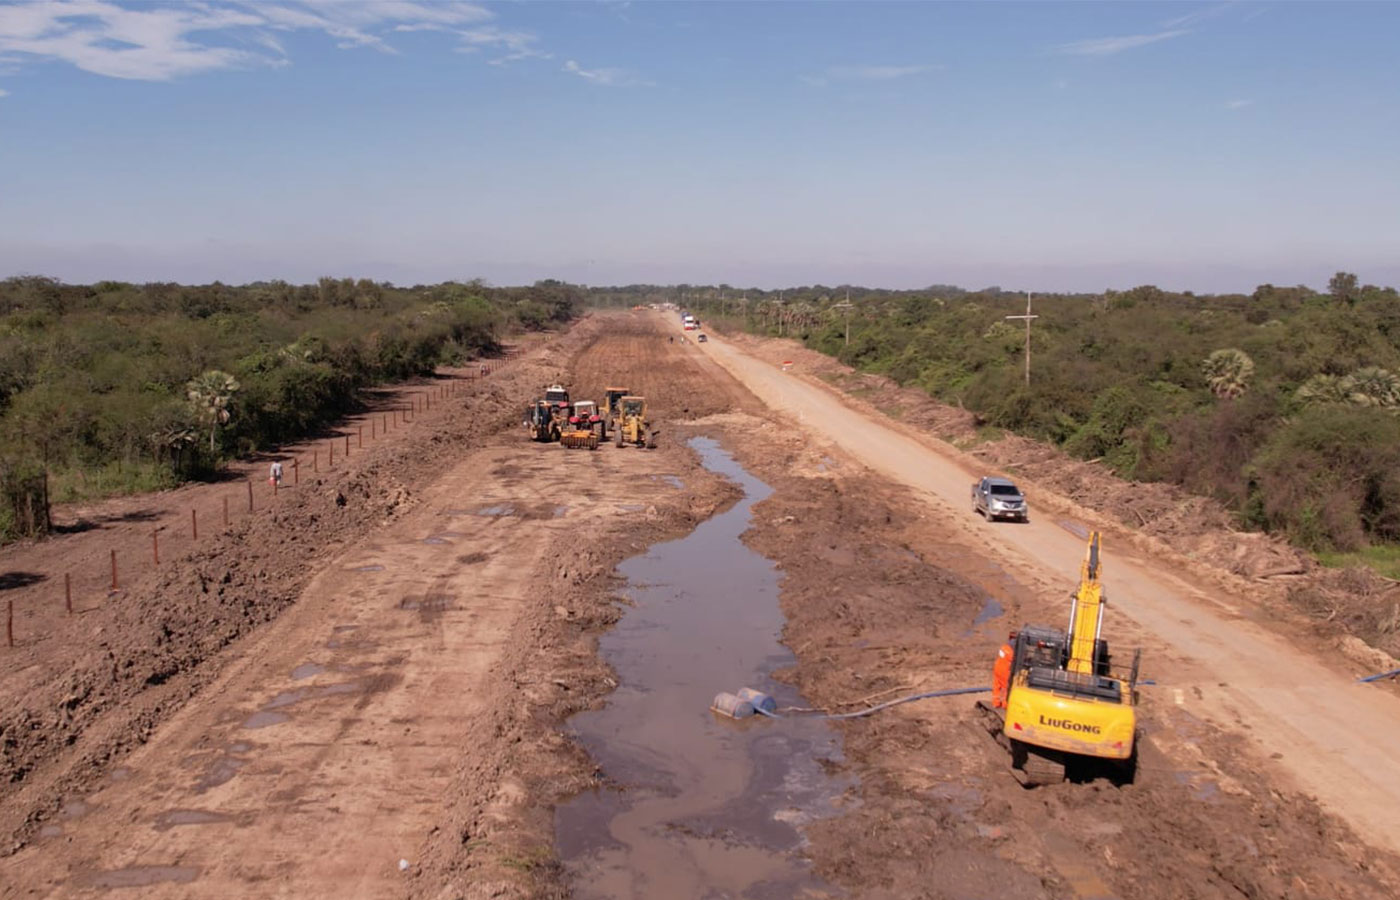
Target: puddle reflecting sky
{"x": 712, "y": 807}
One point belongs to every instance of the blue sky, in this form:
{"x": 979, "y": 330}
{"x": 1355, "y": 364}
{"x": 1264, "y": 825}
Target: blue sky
{"x": 1199, "y": 146}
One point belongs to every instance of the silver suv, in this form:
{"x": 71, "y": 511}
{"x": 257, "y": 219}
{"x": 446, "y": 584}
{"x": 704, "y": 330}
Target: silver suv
{"x": 999, "y": 498}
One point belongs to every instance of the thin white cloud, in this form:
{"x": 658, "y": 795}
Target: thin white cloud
{"x": 160, "y": 42}
{"x": 876, "y": 73}
{"x": 609, "y": 77}
{"x": 1110, "y": 45}
{"x": 4, "y": 93}
{"x": 1200, "y": 15}
{"x": 1237, "y": 104}
{"x": 865, "y": 73}
{"x": 516, "y": 44}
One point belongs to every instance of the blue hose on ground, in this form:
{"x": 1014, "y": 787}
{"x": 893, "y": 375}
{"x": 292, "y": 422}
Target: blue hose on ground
{"x": 949, "y": 692}
{"x": 1393, "y": 673}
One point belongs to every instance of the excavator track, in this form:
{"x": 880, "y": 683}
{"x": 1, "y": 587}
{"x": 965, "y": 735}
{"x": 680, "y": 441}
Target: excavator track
{"x": 1039, "y": 770}
{"x": 1032, "y": 768}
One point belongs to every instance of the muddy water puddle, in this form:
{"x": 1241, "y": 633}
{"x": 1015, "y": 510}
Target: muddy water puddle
{"x": 138, "y": 876}
{"x": 706, "y": 806}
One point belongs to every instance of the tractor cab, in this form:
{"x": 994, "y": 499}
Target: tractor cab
{"x": 585, "y": 414}
{"x": 557, "y": 395}
{"x": 633, "y": 406}
{"x": 537, "y": 413}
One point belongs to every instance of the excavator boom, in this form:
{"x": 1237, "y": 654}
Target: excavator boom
{"x": 1086, "y": 613}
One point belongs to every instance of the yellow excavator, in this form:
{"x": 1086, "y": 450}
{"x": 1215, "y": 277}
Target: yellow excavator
{"x": 1063, "y": 706}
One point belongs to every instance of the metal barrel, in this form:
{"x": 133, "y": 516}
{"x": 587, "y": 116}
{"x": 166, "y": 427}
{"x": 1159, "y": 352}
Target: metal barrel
{"x": 758, "y": 699}
{"x": 726, "y": 704}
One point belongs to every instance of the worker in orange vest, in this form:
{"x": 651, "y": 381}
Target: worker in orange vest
{"x": 1001, "y": 672}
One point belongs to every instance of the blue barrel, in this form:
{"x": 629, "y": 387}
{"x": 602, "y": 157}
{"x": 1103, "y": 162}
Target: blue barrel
{"x": 760, "y": 700}
{"x": 727, "y": 704}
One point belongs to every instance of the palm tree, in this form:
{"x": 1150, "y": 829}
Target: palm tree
{"x": 1323, "y": 388}
{"x": 1372, "y": 386}
{"x": 210, "y": 395}
{"x": 1228, "y": 372}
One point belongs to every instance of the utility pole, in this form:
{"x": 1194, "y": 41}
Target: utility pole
{"x": 845, "y": 307}
{"x": 1028, "y": 318}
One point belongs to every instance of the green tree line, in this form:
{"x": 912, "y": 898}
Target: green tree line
{"x": 116, "y": 387}
{"x": 1284, "y": 404}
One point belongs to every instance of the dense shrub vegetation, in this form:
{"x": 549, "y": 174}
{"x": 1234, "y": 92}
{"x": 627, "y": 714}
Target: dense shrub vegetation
{"x": 116, "y": 386}
{"x": 1283, "y": 404}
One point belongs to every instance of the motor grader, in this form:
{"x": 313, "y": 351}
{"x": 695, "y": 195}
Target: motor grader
{"x": 631, "y": 425}
{"x": 586, "y": 429}
{"x": 610, "y": 397}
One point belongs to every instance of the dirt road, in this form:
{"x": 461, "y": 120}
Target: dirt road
{"x": 1336, "y": 738}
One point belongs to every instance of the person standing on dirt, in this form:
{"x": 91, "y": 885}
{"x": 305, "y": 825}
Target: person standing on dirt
{"x": 275, "y": 476}
{"x": 1001, "y": 672}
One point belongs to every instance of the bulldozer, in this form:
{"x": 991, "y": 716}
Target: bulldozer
{"x": 586, "y": 429}
{"x": 1065, "y": 709}
{"x": 631, "y": 425}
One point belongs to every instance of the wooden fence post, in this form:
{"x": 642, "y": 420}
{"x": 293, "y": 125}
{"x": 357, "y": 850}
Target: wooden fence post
{"x": 194, "y": 524}
{"x": 10, "y": 624}
{"x": 296, "y": 471}
{"x": 155, "y": 546}
{"x": 225, "y": 510}
{"x": 114, "y": 570}
{"x": 250, "y": 495}
{"x": 359, "y": 437}
{"x": 68, "y": 593}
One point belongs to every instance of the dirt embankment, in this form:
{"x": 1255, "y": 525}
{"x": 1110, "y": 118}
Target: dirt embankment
{"x": 883, "y": 601}
{"x": 90, "y": 687}
{"x": 1197, "y": 530}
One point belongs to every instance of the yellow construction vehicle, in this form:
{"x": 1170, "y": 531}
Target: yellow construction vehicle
{"x": 631, "y": 425}
{"x": 1063, "y": 705}
{"x": 541, "y": 423}
{"x": 611, "y": 396}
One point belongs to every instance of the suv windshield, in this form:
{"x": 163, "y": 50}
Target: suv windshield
{"x": 1004, "y": 490}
